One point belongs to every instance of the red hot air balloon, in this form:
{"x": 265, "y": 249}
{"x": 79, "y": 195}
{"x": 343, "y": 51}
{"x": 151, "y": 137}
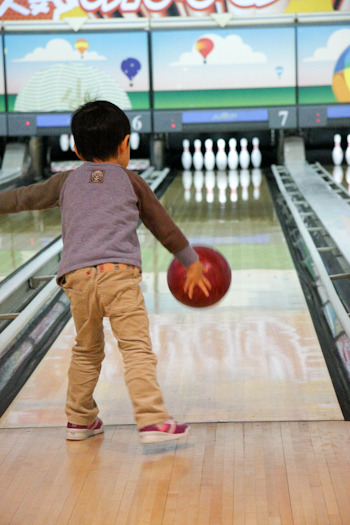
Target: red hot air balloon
{"x": 204, "y": 46}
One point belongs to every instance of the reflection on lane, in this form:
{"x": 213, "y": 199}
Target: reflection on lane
{"x": 341, "y": 175}
{"x": 211, "y": 185}
{"x": 23, "y": 235}
{"x": 229, "y": 210}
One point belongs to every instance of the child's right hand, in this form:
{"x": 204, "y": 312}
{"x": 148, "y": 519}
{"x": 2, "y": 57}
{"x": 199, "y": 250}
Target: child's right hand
{"x": 195, "y": 277}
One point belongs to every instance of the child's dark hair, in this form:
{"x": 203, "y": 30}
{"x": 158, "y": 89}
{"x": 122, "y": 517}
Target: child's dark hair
{"x": 98, "y": 128}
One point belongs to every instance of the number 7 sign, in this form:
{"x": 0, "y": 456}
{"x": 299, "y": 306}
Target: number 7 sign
{"x": 283, "y": 118}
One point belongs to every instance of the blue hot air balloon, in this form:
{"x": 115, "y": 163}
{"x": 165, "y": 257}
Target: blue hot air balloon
{"x": 279, "y": 70}
{"x": 130, "y": 68}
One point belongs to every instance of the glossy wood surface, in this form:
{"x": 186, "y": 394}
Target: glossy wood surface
{"x": 291, "y": 473}
{"x": 253, "y": 357}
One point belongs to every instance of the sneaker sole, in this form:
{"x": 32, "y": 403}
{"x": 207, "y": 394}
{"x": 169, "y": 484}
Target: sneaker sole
{"x": 147, "y": 438}
{"x": 79, "y": 434}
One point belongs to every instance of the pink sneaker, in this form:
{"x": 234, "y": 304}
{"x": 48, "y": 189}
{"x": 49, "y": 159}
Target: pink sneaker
{"x": 79, "y": 432}
{"x": 166, "y": 431}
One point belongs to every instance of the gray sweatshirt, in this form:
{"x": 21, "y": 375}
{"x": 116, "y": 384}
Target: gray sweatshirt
{"x": 101, "y": 204}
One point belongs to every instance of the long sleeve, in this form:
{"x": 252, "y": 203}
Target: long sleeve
{"x": 33, "y": 197}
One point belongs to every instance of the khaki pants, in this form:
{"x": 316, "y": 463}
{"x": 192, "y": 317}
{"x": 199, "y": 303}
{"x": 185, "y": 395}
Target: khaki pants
{"x": 111, "y": 290}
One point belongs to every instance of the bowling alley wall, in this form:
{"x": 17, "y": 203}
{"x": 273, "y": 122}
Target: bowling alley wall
{"x": 193, "y": 67}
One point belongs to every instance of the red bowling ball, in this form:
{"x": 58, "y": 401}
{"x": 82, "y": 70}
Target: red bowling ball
{"x": 218, "y": 274}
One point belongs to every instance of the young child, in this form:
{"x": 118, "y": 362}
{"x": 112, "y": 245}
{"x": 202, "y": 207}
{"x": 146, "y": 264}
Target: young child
{"x": 101, "y": 203}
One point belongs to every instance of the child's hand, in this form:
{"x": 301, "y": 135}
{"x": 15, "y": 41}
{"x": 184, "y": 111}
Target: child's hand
{"x": 194, "y": 278}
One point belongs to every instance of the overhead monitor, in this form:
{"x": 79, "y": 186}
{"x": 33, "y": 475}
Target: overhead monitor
{"x": 324, "y": 75}
{"x": 54, "y": 73}
{"x": 230, "y": 68}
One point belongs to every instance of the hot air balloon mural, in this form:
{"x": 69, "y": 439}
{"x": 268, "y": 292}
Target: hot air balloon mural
{"x": 130, "y": 68}
{"x": 204, "y": 46}
{"x": 341, "y": 77}
{"x": 279, "y": 70}
{"x": 81, "y": 45}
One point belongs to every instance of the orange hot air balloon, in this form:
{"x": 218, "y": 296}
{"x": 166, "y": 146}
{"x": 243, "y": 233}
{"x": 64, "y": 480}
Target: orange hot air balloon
{"x": 204, "y": 46}
{"x": 81, "y": 45}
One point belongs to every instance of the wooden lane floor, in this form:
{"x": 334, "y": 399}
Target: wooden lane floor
{"x": 253, "y": 357}
{"x": 23, "y": 235}
{"x": 291, "y": 473}
{"x": 268, "y": 442}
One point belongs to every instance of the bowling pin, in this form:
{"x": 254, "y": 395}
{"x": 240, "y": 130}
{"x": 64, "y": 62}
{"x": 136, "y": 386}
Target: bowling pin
{"x": 338, "y": 174}
{"x": 209, "y": 181}
{"x": 222, "y": 185}
{"x": 347, "y": 151}
{"x": 198, "y": 155}
{"x": 232, "y": 155}
{"x": 221, "y": 157}
{"x": 256, "y": 180}
{"x": 337, "y": 152}
{"x": 233, "y": 182}
{"x": 134, "y": 140}
{"x": 244, "y": 158}
{"x": 198, "y": 180}
{"x": 209, "y": 157}
{"x": 187, "y": 183}
{"x": 64, "y": 142}
{"x": 244, "y": 179}
{"x": 347, "y": 177}
{"x": 186, "y": 157}
{"x": 71, "y": 142}
{"x": 256, "y": 153}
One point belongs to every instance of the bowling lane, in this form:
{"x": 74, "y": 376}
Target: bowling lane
{"x": 253, "y": 357}
{"x": 23, "y": 235}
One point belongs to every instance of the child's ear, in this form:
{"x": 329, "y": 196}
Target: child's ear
{"x": 77, "y": 153}
{"x": 124, "y": 143}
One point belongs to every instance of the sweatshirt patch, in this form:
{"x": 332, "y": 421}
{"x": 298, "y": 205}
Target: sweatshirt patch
{"x": 97, "y": 176}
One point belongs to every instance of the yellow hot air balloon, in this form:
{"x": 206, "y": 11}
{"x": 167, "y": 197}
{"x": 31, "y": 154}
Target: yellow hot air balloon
{"x": 81, "y": 45}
